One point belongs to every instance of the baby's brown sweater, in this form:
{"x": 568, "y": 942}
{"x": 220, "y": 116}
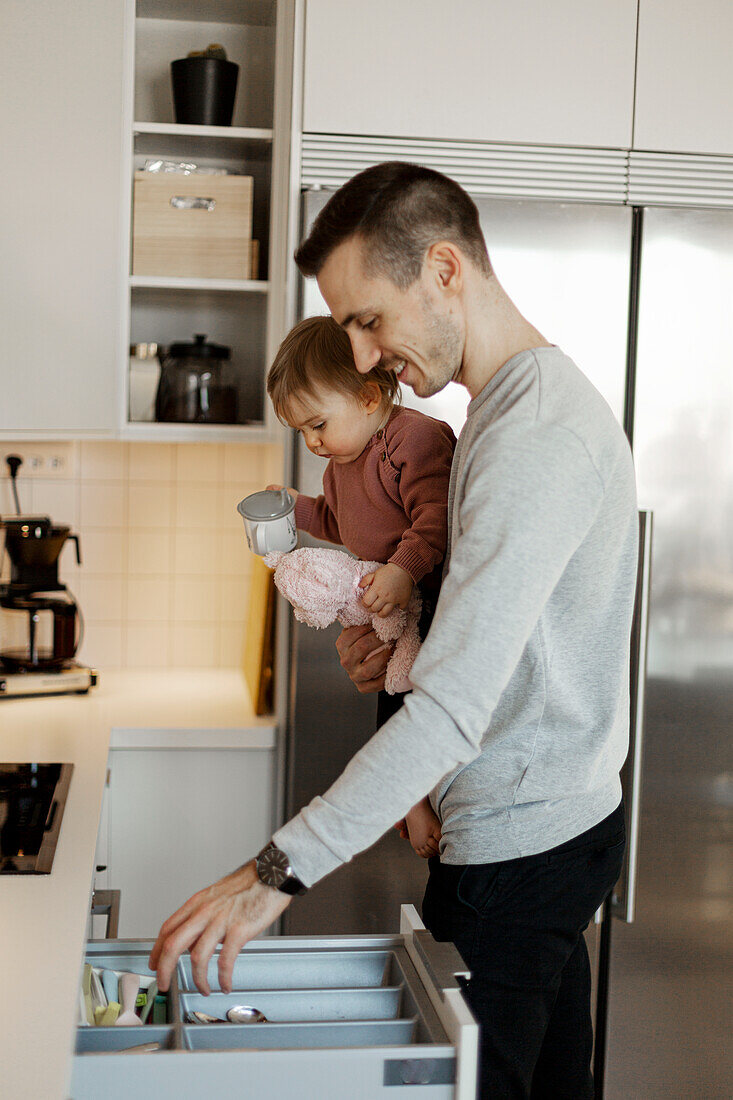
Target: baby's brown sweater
{"x": 389, "y": 504}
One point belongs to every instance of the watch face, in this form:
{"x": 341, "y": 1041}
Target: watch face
{"x": 274, "y": 867}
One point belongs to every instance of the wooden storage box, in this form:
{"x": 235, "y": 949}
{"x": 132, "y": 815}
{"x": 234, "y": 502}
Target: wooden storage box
{"x": 198, "y": 226}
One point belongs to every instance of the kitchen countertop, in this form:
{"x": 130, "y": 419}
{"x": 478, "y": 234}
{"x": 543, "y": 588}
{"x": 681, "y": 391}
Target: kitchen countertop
{"x": 43, "y": 919}
{"x": 182, "y": 708}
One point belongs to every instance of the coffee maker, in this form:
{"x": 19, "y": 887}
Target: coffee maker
{"x": 39, "y": 614}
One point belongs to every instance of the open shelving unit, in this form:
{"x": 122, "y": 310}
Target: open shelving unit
{"x": 244, "y": 314}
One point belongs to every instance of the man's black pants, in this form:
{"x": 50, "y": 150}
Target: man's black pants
{"x": 519, "y": 928}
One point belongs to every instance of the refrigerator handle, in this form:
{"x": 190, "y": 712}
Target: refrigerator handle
{"x": 624, "y": 898}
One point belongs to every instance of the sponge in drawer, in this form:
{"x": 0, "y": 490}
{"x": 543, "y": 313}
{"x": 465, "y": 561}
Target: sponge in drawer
{"x": 106, "y": 1017}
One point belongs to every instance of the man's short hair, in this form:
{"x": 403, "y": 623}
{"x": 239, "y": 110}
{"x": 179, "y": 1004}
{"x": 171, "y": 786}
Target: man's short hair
{"x": 399, "y": 210}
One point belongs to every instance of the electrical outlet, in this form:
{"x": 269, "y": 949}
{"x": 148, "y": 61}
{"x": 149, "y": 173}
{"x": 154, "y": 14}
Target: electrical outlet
{"x": 55, "y": 460}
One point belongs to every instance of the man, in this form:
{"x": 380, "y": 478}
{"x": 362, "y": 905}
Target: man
{"x": 518, "y": 721}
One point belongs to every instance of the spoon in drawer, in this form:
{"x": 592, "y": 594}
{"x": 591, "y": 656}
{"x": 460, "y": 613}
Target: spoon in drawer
{"x": 237, "y": 1014}
{"x": 245, "y": 1014}
{"x": 202, "y": 1018}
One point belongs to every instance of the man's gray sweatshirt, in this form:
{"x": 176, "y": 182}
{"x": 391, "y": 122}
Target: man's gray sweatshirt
{"x": 518, "y": 721}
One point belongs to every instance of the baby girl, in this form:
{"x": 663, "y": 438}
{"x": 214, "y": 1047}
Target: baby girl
{"x": 385, "y": 486}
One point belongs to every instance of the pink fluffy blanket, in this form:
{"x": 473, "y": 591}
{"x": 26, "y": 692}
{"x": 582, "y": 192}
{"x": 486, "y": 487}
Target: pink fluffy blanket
{"x": 323, "y": 586}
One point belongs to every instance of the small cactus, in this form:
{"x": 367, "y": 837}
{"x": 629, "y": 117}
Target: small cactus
{"x": 212, "y": 50}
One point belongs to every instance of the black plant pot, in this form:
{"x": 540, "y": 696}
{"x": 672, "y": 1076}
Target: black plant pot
{"x": 203, "y": 90}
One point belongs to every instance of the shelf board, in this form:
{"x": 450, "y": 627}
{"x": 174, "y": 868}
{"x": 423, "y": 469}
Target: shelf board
{"x": 169, "y": 282}
{"x": 233, "y": 145}
{"x": 259, "y": 13}
{"x": 177, "y": 129}
{"x": 256, "y": 432}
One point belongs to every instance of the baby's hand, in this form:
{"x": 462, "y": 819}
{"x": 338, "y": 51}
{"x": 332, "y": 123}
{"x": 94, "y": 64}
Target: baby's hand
{"x": 423, "y": 829}
{"x": 389, "y": 587}
{"x": 293, "y": 492}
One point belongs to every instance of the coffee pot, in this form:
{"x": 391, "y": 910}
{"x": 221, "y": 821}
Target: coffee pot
{"x": 41, "y": 616}
{"x": 38, "y": 607}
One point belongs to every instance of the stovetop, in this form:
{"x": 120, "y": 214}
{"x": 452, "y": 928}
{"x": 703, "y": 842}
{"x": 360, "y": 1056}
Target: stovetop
{"x": 32, "y": 801}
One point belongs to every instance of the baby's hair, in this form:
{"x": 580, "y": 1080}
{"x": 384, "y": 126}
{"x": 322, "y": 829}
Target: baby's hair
{"x": 317, "y": 354}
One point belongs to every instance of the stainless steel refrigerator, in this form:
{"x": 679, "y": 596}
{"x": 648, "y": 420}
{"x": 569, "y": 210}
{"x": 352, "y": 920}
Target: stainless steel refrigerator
{"x": 642, "y": 301}
{"x": 670, "y": 979}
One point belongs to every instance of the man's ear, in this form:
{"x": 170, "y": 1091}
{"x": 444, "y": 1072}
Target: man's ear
{"x": 370, "y": 397}
{"x": 444, "y": 260}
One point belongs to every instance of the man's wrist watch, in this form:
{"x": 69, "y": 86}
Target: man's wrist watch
{"x": 273, "y": 869}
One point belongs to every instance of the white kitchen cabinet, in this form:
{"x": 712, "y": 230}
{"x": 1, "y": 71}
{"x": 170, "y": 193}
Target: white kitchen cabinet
{"x": 684, "y": 81}
{"x": 61, "y": 87}
{"x": 180, "y": 818}
{"x": 505, "y": 71}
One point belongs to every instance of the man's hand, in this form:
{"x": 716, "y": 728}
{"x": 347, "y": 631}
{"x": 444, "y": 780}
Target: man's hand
{"x": 364, "y": 657}
{"x": 231, "y": 912}
{"x": 388, "y": 587}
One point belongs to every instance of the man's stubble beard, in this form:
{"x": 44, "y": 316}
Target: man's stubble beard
{"x": 444, "y": 353}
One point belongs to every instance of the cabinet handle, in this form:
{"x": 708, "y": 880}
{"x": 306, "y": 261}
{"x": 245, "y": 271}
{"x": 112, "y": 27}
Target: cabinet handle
{"x": 192, "y": 202}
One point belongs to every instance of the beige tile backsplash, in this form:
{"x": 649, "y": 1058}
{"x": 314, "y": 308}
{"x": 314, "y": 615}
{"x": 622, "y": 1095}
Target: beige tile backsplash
{"x": 165, "y": 571}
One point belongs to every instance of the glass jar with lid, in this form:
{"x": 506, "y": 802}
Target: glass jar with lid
{"x": 197, "y": 384}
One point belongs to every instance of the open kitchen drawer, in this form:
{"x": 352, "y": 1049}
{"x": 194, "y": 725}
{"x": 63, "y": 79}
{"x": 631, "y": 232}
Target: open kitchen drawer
{"x": 347, "y": 1016}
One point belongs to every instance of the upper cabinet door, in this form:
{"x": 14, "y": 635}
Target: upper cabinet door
{"x": 523, "y": 71}
{"x": 684, "y": 79}
{"x": 61, "y": 139}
